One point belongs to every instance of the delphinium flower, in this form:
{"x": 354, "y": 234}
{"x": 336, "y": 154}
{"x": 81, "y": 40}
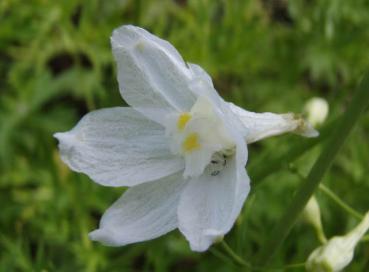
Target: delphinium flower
{"x": 179, "y": 147}
{"x": 338, "y": 252}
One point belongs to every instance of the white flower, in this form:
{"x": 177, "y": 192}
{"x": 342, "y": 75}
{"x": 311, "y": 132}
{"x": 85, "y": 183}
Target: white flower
{"x": 180, "y": 147}
{"x": 317, "y": 109}
{"x": 338, "y": 252}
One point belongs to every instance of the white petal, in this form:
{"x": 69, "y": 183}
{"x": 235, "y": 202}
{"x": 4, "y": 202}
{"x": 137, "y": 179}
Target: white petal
{"x": 209, "y": 205}
{"x": 129, "y": 34}
{"x": 196, "y": 162}
{"x": 144, "y": 212}
{"x": 200, "y": 74}
{"x": 202, "y": 85}
{"x": 152, "y": 76}
{"x": 118, "y": 147}
{"x": 257, "y": 126}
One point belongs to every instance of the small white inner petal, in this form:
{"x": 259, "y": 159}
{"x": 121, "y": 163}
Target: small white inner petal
{"x": 201, "y": 138}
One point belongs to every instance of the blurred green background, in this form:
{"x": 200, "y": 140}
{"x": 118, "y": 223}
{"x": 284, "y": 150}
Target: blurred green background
{"x": 56, "y": 65}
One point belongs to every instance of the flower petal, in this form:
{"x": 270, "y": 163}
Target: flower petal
{"x": 152, "y": 76}
{"x": 118, "y": 147}
{"x": 257, "y": 126}
{"x": 144, "y": 212}
{"x": 202, "y": 85}
{"x": 201, "y": 74}
{"x": 209, "y": 205}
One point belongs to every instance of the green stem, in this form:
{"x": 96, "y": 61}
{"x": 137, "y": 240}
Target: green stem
{"x": 340, "y": 202}
{"x": 320, "y": 235}
{"x": 240, "y": 261}
{"x": 221, "y": 255}
{"x": 258, "y": 174}
{"x": 318, "y": 228}
{"x": 324, "y": 161}
{"x": 233, "y": 255}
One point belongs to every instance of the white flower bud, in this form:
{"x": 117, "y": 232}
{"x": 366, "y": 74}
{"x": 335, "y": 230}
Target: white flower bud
{"x": 338, "y": 252}
{"x": 316, "y": 110}
{"x": 311, "y": 214}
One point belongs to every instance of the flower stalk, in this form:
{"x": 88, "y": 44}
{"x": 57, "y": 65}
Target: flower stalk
{"x": 233, "y": 255}
{"x": 357, "y": 106}
{"x": 339, "y": 202}
{"x": 276, "y": 162}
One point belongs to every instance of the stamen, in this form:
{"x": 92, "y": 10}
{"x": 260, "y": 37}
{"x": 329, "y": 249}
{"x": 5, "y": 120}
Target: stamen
{"x": 183, "y": 120}
{"x": 191, "y": 142}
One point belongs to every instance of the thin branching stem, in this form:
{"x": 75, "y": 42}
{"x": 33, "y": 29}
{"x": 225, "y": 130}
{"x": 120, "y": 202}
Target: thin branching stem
{"x": 259, "y": 174}
{"x": 238, "y": 260}
{"x": 357, "y": 106}
{"x": 340, "y": 202}
{"x": 233, "y": 255}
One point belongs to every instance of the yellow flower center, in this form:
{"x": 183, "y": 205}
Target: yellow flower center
{"x": 183, "y": 120}
{"x": 191, "y": 142}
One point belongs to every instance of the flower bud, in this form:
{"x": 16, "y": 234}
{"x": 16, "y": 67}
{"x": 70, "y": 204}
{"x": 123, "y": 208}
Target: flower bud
{"x": 316, "y": 110}
{"x": 338, "y": 252}
{"x": 311, "y": 214}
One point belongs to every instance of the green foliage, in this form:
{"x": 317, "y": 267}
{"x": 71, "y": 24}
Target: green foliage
{"x": 56, "y": 65}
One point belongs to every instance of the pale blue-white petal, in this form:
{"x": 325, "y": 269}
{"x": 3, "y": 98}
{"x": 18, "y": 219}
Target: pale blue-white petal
{"x": 118, "y": 147}
{"x": 210, "y": 204}
{"x": 152, "y": 76}
{"x": 202, "y": 85}
{"x": 144, "y": 212}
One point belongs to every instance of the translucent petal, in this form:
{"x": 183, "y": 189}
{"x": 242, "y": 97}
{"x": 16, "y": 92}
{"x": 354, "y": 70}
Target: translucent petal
{"x": 209, "y": 205}
{"x": 118, "y": 147}
{"x": 152, "y": 76}
{"x": 202, "y": 85}
{"x": 144, "y": 212}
